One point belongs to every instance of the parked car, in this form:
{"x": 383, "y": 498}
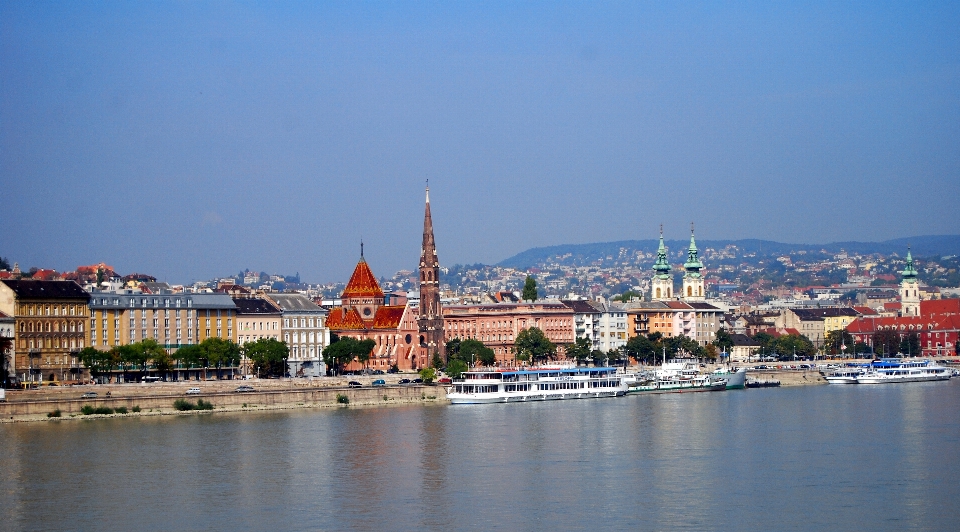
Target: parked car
{"x": 354, "y": 384}
{"x": 379, "y": 382}
{"x": 404, "y": 381}
{"x": 445, "y": 380}
{"x": 89, "y": 395}
{"x": 193, "y": 391}
{"x": 244, "y": 388}
{"x": 417, "y": 381}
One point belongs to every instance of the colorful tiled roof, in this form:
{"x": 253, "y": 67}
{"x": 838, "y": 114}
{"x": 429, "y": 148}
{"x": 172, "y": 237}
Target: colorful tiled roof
{"x": 341, "y": 319}
{"x": 362, "y": 283}
{"x": 388, "y": 317}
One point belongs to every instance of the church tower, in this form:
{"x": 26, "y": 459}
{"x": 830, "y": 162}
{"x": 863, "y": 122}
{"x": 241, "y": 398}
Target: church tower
{"x": 661, "y": 288}
{"x": 430, "y": 321}
{"x": 692, "y": 279}
{"x": 909, "y": 289}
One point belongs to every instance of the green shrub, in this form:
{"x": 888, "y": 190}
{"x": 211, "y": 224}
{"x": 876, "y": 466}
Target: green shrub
{"x": 121, "y": 410}
{"x": 136, "y": 408}
{"x": 204, "y": 405}
{"x": 86, "y": 410}
{"x": 343, "y": 399}
{"x": 183, "y": 405}
{"x": 55, "y": 413}
{"x": 103, "y": 410}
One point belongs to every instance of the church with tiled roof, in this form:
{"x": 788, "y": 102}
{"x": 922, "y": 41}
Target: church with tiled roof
{"x": 363, "y": 315}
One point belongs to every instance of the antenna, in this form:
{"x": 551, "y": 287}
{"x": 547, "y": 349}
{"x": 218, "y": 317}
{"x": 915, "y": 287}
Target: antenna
{"x": 361, "y": 247}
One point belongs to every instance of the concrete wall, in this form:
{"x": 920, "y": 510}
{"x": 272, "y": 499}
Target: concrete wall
{"x": 307, "y": 396}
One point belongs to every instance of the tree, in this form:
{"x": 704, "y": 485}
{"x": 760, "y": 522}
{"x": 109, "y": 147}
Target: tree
{"x": 838, "y": 341}
{"x": 189, "y": 355}
{"x": 766, "y": 342}
{"x": 910, "y": 344}
{"x": 886, "y": 343}
{"x": 530, "y": 289}
{"x": 95, "y": 360}
{"x": 428, "y": 375}
{"x": 579, "y": 350}
{"x": 436, "y": 362}
{"x": 711, "y": 351}
{"x": 641, "y": 349}
{"x": 472, "y": 351}
{"x": 163, "y": 363}
{"x": 269, "y": 356}
{"x": 456, "y": 367}
{"x": 221, "y": 353}
{"x": 5, "y": 264}
{"x": 788, "y": 346}
{"x": 724, "y": 341}
{"x": 345, "y": 350}
{"x": 534, "y": 346}
{"x": 628, "y": 295}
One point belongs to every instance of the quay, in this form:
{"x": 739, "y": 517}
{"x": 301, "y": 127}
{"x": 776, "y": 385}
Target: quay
{"x": 158, "y": 398}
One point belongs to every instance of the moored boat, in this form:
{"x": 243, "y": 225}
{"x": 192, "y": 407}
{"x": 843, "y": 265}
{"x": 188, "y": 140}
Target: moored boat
{"x": 536, "y": 384}
{"x": 893, "y": 370}
{"x": 736, "y": 378}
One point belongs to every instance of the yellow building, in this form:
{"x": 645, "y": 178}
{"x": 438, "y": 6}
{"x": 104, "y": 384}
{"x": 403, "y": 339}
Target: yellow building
{"x": 172, "y": 319}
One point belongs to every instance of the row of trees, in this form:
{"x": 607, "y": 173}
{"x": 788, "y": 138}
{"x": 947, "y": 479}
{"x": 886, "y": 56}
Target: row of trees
{"x": 268, "y": 356}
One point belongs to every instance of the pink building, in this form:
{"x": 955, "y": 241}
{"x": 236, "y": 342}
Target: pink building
{"x": 497, "y": 325}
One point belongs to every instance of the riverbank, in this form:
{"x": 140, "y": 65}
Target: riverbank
{"x": 159, "y": 399}
{"x": 156, "y": 399}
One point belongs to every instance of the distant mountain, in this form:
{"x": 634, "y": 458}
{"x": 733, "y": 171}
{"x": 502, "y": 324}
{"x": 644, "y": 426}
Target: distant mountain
{"x": 922, "y": 246}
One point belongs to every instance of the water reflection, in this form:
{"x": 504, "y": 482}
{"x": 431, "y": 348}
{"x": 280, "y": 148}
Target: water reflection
{"x": 808, "y": 458}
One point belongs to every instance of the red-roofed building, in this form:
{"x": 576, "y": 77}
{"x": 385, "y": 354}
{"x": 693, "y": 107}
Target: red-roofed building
{"x": 363, "y": 315}
{"x": 937, "y": 327}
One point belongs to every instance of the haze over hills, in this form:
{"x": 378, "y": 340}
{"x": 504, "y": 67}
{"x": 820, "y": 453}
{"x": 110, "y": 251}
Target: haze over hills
{"x": 574, "y": 254}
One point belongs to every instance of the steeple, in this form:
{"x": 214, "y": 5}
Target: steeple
{"x": 693, "y": 264}
{"x": 662, "y": 266}
{"x": 430, "y": 321}
{"x": 909, "y": 289}
{"x": 692, "y": 278}
{"x": 909, "y": 273}
{"x": 661, "y": 287}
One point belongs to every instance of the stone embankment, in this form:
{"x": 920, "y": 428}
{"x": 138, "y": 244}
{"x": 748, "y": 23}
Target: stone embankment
{"x": 158, "y": 398}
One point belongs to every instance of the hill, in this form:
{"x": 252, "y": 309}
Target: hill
{"x": 577, "y": 254}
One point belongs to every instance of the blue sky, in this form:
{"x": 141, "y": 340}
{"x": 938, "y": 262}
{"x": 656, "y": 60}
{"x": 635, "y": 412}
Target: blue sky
{"x": 194, "y": 139}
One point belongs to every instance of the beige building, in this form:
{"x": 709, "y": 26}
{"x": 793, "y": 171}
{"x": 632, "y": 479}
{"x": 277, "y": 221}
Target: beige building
{"x": 256, "y": 319}
{"x": 50, "y": 328}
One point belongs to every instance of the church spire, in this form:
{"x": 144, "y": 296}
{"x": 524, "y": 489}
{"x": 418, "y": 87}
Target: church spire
{"x": 909, "y": 273}
{"x": 662, "y": 266}
{"x": 693, "y": 264}
{"x": 430, "y": 321}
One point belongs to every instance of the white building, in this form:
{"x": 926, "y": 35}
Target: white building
{"x": 305, "y": 332}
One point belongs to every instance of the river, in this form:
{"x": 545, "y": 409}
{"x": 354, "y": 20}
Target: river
{"x": 851, "y": 457}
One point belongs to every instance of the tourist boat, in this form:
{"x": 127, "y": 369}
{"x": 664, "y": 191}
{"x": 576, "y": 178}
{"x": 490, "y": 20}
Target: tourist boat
{"x": 536, "y": 384}
{"x": 844, "y": 376}
{"x": 736, "y": 378}
{"x": 699, "y": 383}
{"x": 894, "y": 370}
{"x": 677, "y": 375}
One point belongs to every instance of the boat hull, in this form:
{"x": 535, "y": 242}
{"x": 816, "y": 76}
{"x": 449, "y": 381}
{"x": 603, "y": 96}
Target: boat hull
{"x": 655, "y": 388}
{"x": 491, "y": 398}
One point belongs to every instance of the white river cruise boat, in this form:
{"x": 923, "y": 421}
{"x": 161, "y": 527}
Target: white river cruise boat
{"x": 889, "y": 371}
{"x": 679, "y": 375}
{"x": 536, "y": 384}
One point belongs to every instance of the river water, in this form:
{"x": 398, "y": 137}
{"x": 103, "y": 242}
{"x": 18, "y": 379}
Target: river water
{"x": 810, "y": 458}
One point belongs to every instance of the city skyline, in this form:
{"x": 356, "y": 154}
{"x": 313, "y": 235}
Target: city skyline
{"x": 187, "y": 140}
